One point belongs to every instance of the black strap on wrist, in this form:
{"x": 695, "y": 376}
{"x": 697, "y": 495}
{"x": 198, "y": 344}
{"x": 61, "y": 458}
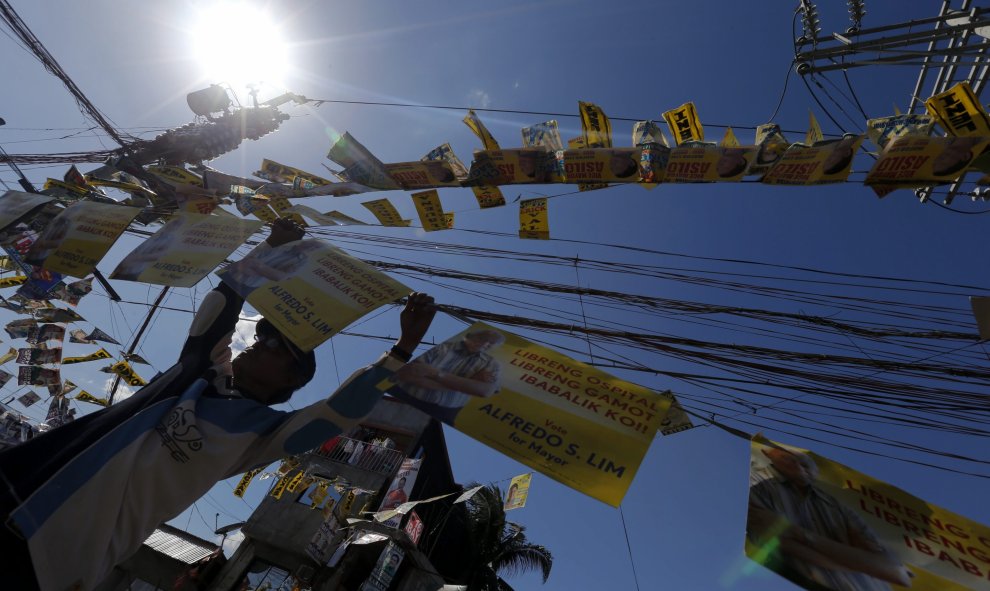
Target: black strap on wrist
{"x": 400, "y": 354}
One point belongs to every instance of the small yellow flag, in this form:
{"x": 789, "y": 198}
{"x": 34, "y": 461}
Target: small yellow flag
{"x": 729, "y": 140}
{"x": 430, "y": 210}
{"x": 245, "y": 481}
{"x": 85, "y": 396}
{"x": 814, "y": 130}
{"x": 595, "y": 126}
{"x": 479, "y": 129}
{"x": 959, "y": 112}
{"x": 684, "y": 124}
{"x": 488, "y": 196}
{"x": 534, "y": 223}
{"x": 386, "y": 213}
{"x": 127, "y": 373}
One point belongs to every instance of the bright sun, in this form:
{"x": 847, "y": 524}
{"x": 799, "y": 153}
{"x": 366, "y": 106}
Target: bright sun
{"x": 238, "y": 43}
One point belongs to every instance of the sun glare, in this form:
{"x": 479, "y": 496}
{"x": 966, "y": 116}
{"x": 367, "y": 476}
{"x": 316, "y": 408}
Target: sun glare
{"x": 238, "y": 43}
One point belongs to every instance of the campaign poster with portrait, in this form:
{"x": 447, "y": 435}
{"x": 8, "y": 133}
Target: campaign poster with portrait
{"x": 400, "y": 489}
{"x": 423, "y": 174}
{"x": 825, "y": 162}
{"x": 185, "y": 249}
{"x": 79, "y": 237}
{"x": 602, "y": 165}
{"x": 512, "y": 167}
{"x": 16, "y": 204}
{"x": 913, "y": 161}
{"x": 566, "y": 419}
{"x": 825, "y": 526}
{"x": 517, "y": 493}
{"x": 696, "y": 162}
{"x": 310, "y": 290}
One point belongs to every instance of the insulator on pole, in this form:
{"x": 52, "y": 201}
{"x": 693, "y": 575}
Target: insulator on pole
{"x": 857, "y": 10}
{"x": 810, "y": 22}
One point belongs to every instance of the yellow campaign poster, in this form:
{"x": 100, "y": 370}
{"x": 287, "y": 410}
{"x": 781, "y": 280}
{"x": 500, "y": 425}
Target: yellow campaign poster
{"x": 176, "y": 175}
{"x": 508, "y": 167}
{"x": 575, "y": 144}
{"x": 100, "y": 354}
{"x": 826, "y": 162}
{"x": 16, "y": 204}
{"x": 185, "y": 249}
{"x": 286, "y": 174}
{"x": 684, "y": 124}
{"x": 518, "y": 491}
{"x": 127, "y": 373}
{"x": 79, "y": 237}
{"x": 695, "y": 162}
{"x": 823, "y": 525}
{"x": 913, "y": 161}
{"x": 959, "y": 112}
{"x": 534, "y": 220}
{"x": 566, "y": 419}
{"x": 479, "y": 129}
{"x": 386, "y": 213}
{"x": 12, "y": 281}
{"x": 430, "y": 210}
{"x": 85, "y": 396}
{"x": 596, "y": 129}
{"x": 245, "y": 480}
{"x": 330, "y": 218}
{"x": 310, "y": 290}
{"x": 488, "y": 196}
{"x": 422, "y": 174}
{"x": 602, "y": 165}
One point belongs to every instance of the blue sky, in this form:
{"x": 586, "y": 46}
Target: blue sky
{"x": 685, "y": 513}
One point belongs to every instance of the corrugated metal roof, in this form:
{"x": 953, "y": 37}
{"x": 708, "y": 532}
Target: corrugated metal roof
{"x": 179, "y": 547}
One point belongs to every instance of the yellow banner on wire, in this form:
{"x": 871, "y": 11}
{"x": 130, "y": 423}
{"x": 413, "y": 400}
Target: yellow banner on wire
{"x": 826, "y": 162}
{"x": 101, "y": 354}
{"x": 923, "y": 161}
{"x": 286, "y": 174}
{"x": 386, "y": 213}
{"x": 684, "y": 124}
{"x": 596, "y": 129}
{"x": 309, "y": 289}
{"x": 430, "y": 211}
{"x": 534, "y": 221}
{"x": 185, "y": 249}
{"x": 176, "y": 175}
{"x": 242, "y": 485}
{"x": 79, "y": 237}
{"x": 12, "y": 281}
{"x": 488, "y": 196}
{"x": 959, "y": 112}
{"x": 896, "y": 538}
{"x": 570, "y": 421}
{"x": 84, "y": 396}
{"x": 706, "y": 163}
{"x": 127, "y": 373}
{"x": 479, "y": 129}
{"x": 283, "y": 208}
{"x": 814, "y": 134}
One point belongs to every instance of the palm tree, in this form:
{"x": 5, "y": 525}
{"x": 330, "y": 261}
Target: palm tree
{"x": 498, "y": 546}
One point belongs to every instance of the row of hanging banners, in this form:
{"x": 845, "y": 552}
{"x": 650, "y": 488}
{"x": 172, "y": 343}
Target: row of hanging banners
{"x": 565, "y": 419}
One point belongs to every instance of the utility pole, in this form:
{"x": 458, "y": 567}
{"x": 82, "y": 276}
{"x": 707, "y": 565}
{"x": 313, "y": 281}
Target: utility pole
{"x": 951, "y": 47}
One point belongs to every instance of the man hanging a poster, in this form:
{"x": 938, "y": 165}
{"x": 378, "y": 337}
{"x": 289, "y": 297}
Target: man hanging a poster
{"x": 82, "y": 498}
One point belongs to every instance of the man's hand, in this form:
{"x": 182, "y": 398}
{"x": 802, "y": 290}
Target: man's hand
{"x": 284, "y": 231}
{"x": 415, "y": 320}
